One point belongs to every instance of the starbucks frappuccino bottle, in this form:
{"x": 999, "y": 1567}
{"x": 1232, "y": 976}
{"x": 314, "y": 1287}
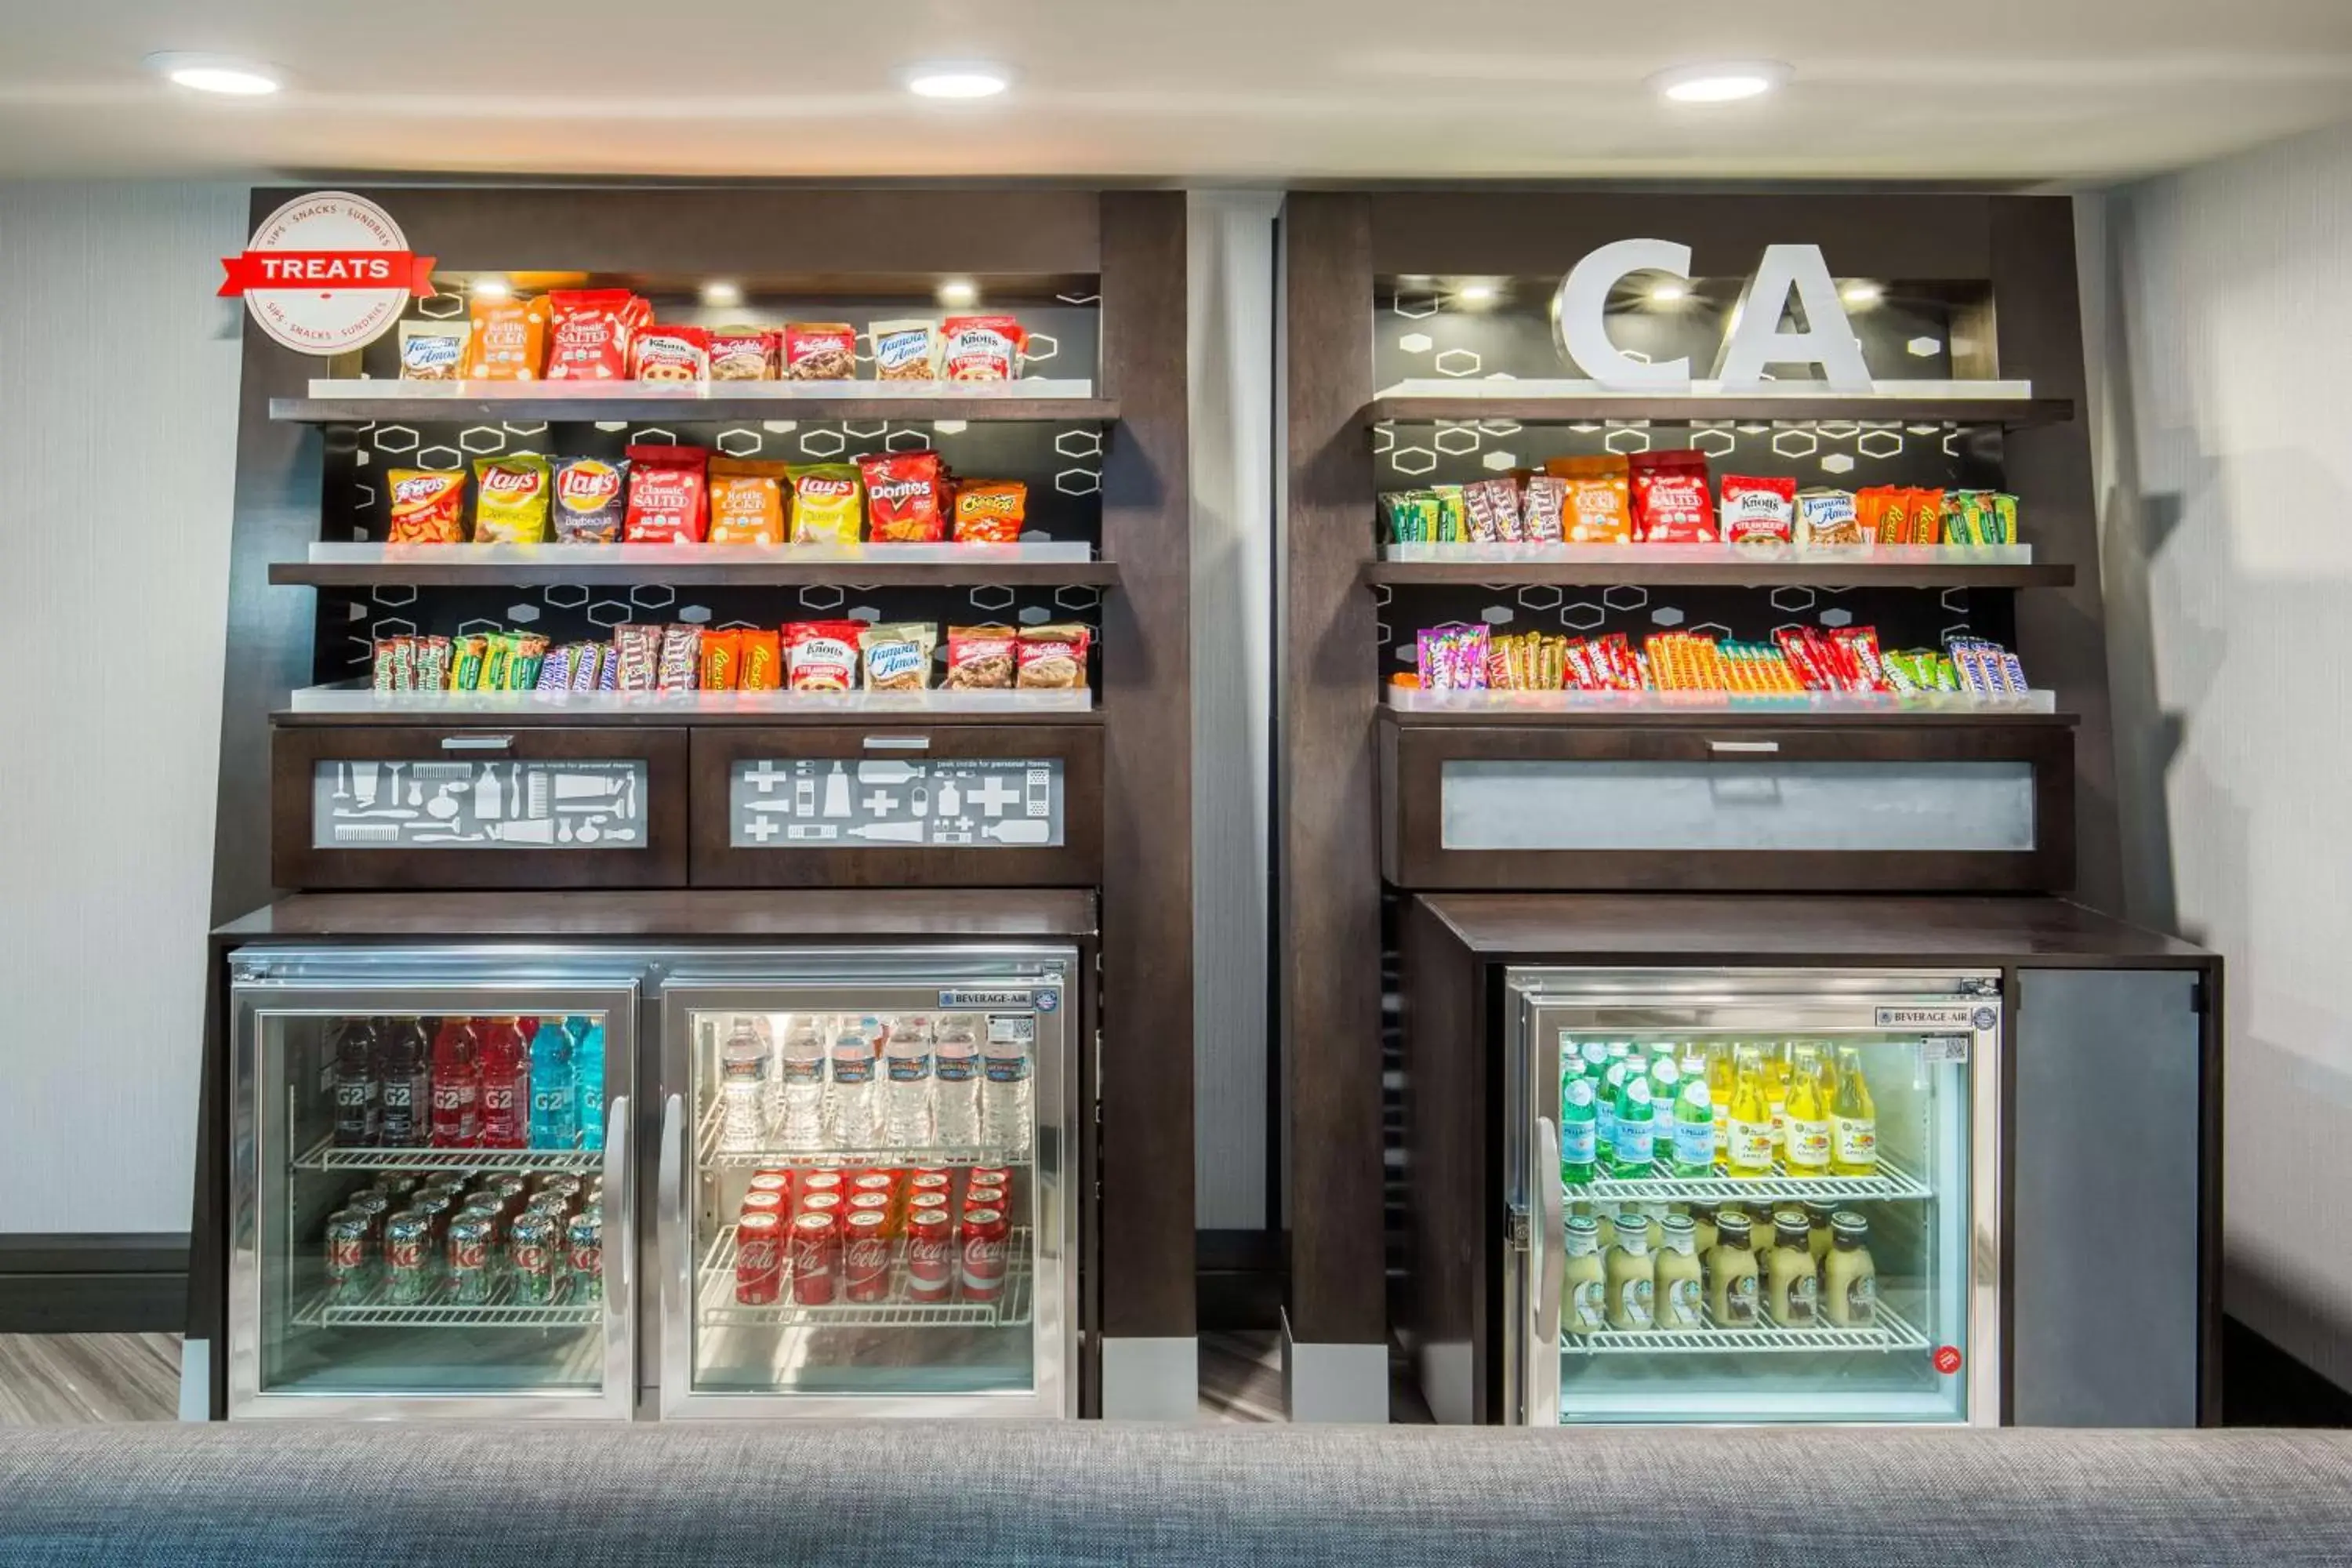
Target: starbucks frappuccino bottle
{"x": 1817, "y": 1231}
{"x": 1792, "y": 1288}
{"x": 1849, "y": 1278}
{"x": 1583, "y": 1282}
{"x": 1678, "y": 1290}
{"x": 1731, "y": 1290}
{"x": 1632, "y": 1276}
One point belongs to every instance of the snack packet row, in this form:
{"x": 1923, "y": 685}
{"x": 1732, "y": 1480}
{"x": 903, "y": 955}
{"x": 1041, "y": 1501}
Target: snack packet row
{"x": 609, "y": 334}
{"x": 1459, "y": 657}
{"x": 470, "y": 661}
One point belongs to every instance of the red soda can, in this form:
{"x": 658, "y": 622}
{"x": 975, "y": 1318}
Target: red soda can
{"x": 759, "y": 1260}
{"x": 823, "y": 1182}
{"x": 757, "y": 1202}
{"x": 978, "y": 1198}
{"x": 865, "y": 1256}
{"x": 777, "y": 1182}
{"x": 916, "y": 1203}
{"x": 927, "y": 1181}
{"x": 986, "y": 1240}
{"x": 821, "y": 1202}
{"x": 816, "y": 1257}
{"x": 875, "y": 1203}
{"x": 874, "y": 1181}
{"x": 930, "y": 1254}
{"x": 991, "y": 1176}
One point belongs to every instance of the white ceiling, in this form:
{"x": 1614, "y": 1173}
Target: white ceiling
{"x": 1257, "y": 91}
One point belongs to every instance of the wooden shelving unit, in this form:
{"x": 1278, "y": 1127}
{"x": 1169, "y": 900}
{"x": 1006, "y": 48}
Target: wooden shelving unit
{"x": 2010, "y": 412}
{"x": 1820, "y": 572}
{"x": 734, "y": 574}
{"x": 392, "y": 405}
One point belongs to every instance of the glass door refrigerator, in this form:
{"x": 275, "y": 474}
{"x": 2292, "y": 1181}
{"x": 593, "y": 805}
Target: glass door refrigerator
{"x": 431, "y": 1204}
{"x": 868, "y": 1184}
{"x": 1751, "y": 1197}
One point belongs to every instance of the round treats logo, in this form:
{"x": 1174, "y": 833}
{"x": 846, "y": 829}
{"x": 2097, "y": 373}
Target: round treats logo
{"x": 327, "y": 273}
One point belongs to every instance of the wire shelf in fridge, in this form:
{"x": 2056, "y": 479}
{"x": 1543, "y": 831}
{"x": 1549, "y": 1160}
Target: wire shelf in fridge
{"x": 716, "y": 1307}
{"x": 371, "y": 1308}
{"x": 1892, "y": 1182}
{"x": 1890, "y": 1332}
{"x": 911, "y": 1156}
{"x": 324, "y": 1156}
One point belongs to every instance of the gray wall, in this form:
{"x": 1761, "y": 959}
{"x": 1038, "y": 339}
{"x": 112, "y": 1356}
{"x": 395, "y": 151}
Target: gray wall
{"x": 118, "y": 445}
{"x": 2219, "y": 306}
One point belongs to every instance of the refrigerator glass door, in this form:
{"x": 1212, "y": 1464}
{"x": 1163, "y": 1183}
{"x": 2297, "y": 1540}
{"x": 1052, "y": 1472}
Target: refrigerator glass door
{"x": 867, "y": 1185}
{"x": 1848, "y": 1119}
{"x": 387, "y": 1258}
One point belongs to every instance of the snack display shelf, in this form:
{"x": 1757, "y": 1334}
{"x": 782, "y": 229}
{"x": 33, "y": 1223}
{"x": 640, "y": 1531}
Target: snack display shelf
{"x": 1893, "y": 1182}
{"x": 1031, "y": 399}
{"x": 373, "y": 1309}
{"x": 1890, "y": 1332}
{"x": 2007, "y": 404}
{"x": 716, "y": 1306}
{"x": 1481, "y": 705}
{"x": 1052, "y": 564}
{"x": 324, "y": 1156}
{"x": 352, "y": 703}
{"x": 902, "y": 1157}
{"x": 1716, "y": 566}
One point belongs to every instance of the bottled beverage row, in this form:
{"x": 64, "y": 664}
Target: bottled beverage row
{"x": 1702, "y": 1266}
{"x": 1634, "y": 1111}
{"x": 452, "y": 1239}
{"x": 469, "y": 1083}
{"x": 873, "y": 1237}
{"x": 817, "y": 1081}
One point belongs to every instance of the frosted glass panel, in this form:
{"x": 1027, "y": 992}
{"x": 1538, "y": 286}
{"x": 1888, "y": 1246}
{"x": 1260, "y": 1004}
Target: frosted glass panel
{"x": 1981, "y": 807}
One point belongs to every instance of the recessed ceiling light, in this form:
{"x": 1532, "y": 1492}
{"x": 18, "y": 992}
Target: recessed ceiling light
{"x": 216, "y": 73}
{"x": 1475, "y": 293}
{"x": 1861, "y": 291}
{"x": 1668, "y": 291}
{"x": 723, "y": 296}
{"x": 958, "y": 292}
{"x": 956, "y": 78}
{"x": 489, "y": 288}
{"x": 1723, "y": 82}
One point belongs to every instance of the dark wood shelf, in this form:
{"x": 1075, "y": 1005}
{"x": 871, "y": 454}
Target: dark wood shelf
{"x": 1728, "y": 575}
{"x": 2011, "y": 413}
{"x": 737, "y": 575}
{"x": 675, "y": 719}
{"x": 556, "y": 409}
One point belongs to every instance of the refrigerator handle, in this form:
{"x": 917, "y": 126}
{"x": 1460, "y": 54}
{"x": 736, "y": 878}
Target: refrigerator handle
{"x": 1546, "y": 1240}
{"x": 670, "y": 1190}
{"x": 616, "y": 1180}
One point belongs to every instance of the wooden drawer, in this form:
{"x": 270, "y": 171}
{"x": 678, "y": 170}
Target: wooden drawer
{"x": 888, "y": 806}
{"x": 1907, "y": 806}
{"x": 367, "y": 806}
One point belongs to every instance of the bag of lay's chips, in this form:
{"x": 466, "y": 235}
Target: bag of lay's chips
{"x": 828, "y": 503}
{"x": 511, "y": 497}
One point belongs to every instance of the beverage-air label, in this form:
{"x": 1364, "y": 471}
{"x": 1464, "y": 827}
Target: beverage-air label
{"x": 1695, "y": 1143}
{"x": 1855, "y": 1139}
{"x": 1679, "y": 1307}
{"x": 1804, "y": 1299}
{"x": 1749, "y": 1144}
{"x": 1740, "y": 1303}
{"x": 1809, "y": 1144}
{"x": 1633, "y": 1297}
{"x": 1586, "y": 1306}
{"x": 1862, "y": 1302}
{"x": 1578, "y": 1142}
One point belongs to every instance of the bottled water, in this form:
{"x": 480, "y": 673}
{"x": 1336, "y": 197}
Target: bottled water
{"x": 744, "y": 1089}
{"x": 555, "y": 1102}
{"x": 906, "y": 1083}
{"x": 851, "y": 1111}
{"x": 1005, "y": 1085}
{"x": 797, "y": 1116}
{"x": 955, "y": 1081}
{"x": 588, "y": 1080}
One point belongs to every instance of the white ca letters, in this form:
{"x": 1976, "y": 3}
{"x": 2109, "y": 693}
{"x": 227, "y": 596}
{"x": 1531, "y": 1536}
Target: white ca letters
{"x": 1756, "y": 339}
{"x": 1579, "y": 315}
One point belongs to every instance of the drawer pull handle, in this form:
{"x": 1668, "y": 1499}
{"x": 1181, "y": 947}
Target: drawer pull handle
{"x": 1753, "y": 748}
{"x": 476, "y": 742}
{"x": 897, "y": 743}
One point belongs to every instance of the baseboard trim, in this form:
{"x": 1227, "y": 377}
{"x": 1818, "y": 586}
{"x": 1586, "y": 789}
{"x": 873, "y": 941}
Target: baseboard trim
{"x": 93, "y": 1283}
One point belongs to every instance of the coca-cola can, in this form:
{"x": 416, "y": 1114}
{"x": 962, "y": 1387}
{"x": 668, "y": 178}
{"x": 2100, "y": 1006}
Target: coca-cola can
{"x": 821, "y": 1202}
{"x": 777, "y": 1182}
{"x": 756, "y": 1202}
{"x": 816, "y": 1257}
{"x": 583, "y": 1250}
{"x": 916, "y": 1203}
{"x": 928, "y": 1181}
{"x": 979, "y": 1197}
{"x": 349, "y": 1248}
{"x": 759, "y": 1260}
{"x": 823, "y": 1182}
{"x": 875, "y": 1203}
{"x": 470, "y": 1256}
{"x": 986, "y": 1240}
{"x": 865, "y": 1256}
{"x": 931, "y": 1253}
{"x": 992, "y": 1175}
{"x": 883, "y": 1182}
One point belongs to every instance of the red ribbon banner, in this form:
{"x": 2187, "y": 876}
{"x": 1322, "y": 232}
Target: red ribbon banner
{"x": 327, "y": 271}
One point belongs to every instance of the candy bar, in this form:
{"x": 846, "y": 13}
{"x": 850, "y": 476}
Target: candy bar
{"x": 637, "y": 655}
{"x": 681, "y": 647}
{"x": 1544, "y": 522}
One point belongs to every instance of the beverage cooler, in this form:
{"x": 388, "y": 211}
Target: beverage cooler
{"x": 1751, "y": 1195}
{"x": 566, "y": 1181}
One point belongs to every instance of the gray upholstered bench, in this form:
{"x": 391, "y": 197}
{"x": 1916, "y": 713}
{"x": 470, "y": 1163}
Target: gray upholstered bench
{"x": 771, "y": 1496}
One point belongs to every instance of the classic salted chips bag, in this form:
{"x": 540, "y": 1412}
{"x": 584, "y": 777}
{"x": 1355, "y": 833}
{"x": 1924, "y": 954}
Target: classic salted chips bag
{"x": 510, "y": 496}
{"x": 589, "y": 333}
{"x": 668, "y": 495}
{"x": 1671, "y": 502}
{"x": 428, "y": 506}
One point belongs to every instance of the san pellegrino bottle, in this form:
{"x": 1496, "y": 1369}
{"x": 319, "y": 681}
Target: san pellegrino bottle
{"x": 1611, "y": 1081}
{"x": 1748, "y": 1145}
{"x": 1693, "y": 1124}
{"x": 1579, "y": 1122}
{"x": 1853, "y": 1120}
{"x": 1808, "y": 1118}
{"x": 1665, "y": 1088}
{"x": 1636, "y": 1127}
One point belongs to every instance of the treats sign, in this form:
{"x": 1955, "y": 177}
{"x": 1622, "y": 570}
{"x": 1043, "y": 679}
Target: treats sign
{"x": 327, "y": 273}
{"x": 1579, "y": 321}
